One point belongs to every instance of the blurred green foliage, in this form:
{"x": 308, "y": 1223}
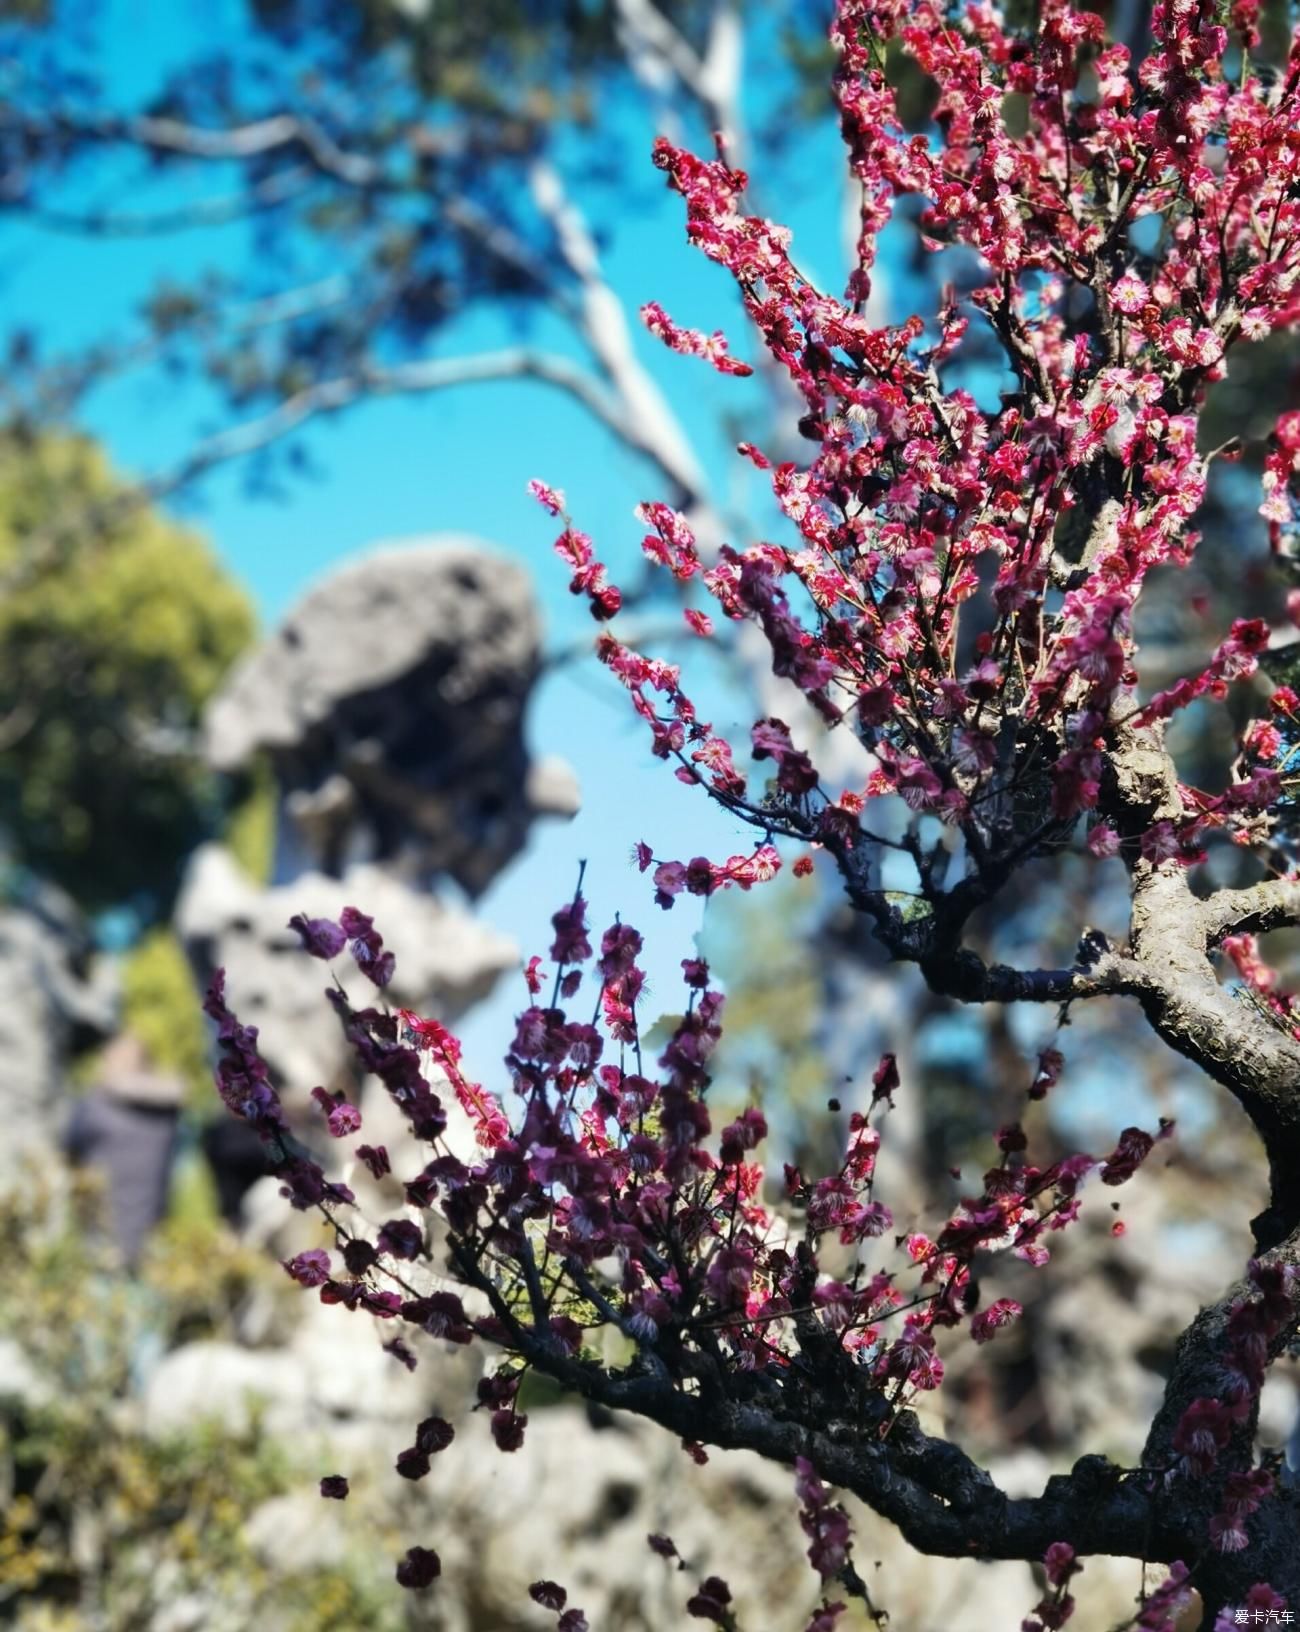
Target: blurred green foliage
{"x": 104, "y": 1528}
{"x": 250, "y": 830}
{"x": 116, "y": 625}
{"x": 161, "y": 1007}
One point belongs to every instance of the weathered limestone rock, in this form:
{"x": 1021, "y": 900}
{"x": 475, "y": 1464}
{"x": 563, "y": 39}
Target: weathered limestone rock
{"x": 391, "y": 703}
{"x": 330, "y": 1378}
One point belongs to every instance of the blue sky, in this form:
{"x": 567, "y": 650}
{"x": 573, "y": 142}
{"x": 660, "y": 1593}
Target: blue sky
{"x": 454, "y": 462}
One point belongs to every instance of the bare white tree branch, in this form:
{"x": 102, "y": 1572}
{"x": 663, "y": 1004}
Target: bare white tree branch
{"x": 659, "y": 54}
{"x": 724, "y": 57}
{"x": 238, "y": 142}
{"x": 649, "y": 423}
{"x": 645, "y": 28}
{"x": 328, "y": 397}
{"x": 510, "y": 250}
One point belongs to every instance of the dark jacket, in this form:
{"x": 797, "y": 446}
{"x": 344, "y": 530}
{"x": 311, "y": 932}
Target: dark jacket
{"x": 134, "y": 1144}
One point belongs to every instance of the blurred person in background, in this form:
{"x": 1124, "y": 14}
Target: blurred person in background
{"x": 127, "y": 1126}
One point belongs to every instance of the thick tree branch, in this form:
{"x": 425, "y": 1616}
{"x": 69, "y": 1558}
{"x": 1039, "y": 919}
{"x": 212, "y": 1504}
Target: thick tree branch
{"x": 1272, "y": 904}
{"x": 1198, "y": 1374}
{"x": 1170, "y": 935}
{"x": 1167, "y": 965}
{"x": 964, "y": 975}
{"x": 1198, "y": 1361}
{"x": 942, "y": 1502}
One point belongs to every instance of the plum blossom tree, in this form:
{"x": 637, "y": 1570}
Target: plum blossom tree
{"x": 961, "y": 596}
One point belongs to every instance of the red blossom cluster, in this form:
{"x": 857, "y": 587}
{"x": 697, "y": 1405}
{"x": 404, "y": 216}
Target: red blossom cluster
{"x": 1167, "y": 1606}
{"x": 931, "y": 603}
{"x": 690, "y": 342}
{"x": 1260, "y": 978}
{"x": 1056, "y": 1607}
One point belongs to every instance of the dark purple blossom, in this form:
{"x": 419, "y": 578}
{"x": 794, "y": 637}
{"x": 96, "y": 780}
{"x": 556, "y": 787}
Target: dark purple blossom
{"x": 711, "y": 1602}
{"x": 366, "y": 944}
{"x": 420, "y": 1568}
{"x": 341, "y": 1117}
{"x": 571, "y": 944}
{"x": 359, "y": 1255}
{"x": 400, "y": 1238}
{"x": 376, "y": 1159}
{"x": 433, "y": 1435}
{"x": 322, "y": 937}
{"x": 508, "y": 1429}
{"x": 310, "y": 1268}
{"x": 400, "y": 1351}
{"x": 412, "y": 1463}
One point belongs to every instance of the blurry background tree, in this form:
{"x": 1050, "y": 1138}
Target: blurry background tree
{"x": 396, "y": 164}
{"x": 112, "y": 638}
